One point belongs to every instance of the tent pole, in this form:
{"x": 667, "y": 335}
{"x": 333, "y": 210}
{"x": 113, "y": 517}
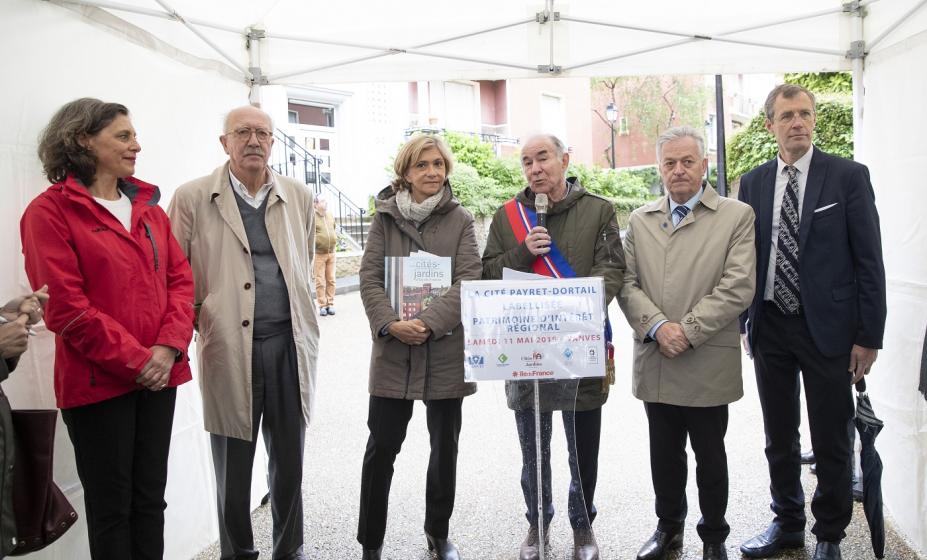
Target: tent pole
{"x": 253, "y": 46}
{"x": 403, "y": 51}
{"x": 468, "y": 59}
{"x": 283, "y": 75}
{"x": 386, "y": 51}
{"x": 305, "y": 39}
{"x": 474, "y": 33}
{"x": 626, "y": 27}
{"x": 145, "y": 12}
{"x": 691, "y": 38}
{"x": 831, "y": 52}
{"x": 786, "y": 47}
{"x": 550, "y": 20}
{"x": 811, "y": 15}
{"x": 895, "y": 25}
{"x": 857, "y": 54}
{"x": 634, "y": 53}
{"x": 174, "y": 15}
{"x": 719, "y": 136}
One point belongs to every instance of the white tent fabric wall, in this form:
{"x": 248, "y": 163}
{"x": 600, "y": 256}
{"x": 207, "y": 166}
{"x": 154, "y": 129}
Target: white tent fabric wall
{"x": 893, "y": 129}
{"x": 178, "y": 86}
{"x": 53, "y": 57}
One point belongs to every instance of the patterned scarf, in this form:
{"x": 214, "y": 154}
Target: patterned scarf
{"x": 417, "y": 212}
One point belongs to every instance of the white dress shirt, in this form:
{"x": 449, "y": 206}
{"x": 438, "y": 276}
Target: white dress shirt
{"x": 254, "y": 201}
{"x": 782, "y": 180}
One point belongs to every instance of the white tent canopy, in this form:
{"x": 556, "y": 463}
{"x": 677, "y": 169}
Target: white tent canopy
{"x": 293, "y": 42}
{"x": 181, "y": 64}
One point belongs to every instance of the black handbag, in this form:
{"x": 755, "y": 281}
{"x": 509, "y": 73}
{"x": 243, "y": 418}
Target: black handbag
{"x": 41, "y": 510}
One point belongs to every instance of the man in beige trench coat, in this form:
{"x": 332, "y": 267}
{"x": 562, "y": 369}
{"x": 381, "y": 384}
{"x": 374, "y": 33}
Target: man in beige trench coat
{"x": 690, "y": 273}
{"x": 249, "y": 235}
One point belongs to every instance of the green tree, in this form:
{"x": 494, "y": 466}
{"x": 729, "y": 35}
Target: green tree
{"x": 823, "y": 82}
{"x": 654, "y": 103}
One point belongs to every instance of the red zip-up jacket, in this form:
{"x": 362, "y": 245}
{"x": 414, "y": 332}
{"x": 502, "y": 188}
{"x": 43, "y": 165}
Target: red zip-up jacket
{"x": 112, "y": 293}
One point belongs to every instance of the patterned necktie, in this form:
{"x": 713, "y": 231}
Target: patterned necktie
{"x": 786, "y": 287}
{"x": 681, "y": 212}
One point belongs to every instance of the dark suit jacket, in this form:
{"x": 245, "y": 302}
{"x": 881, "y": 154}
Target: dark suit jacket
{"x": 840, "y": 253}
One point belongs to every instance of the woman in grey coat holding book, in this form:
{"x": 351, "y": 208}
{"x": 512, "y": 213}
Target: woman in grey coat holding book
{"x": 420, "y": 358}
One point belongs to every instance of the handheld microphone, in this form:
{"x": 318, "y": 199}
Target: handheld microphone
{"x": 540, "y": 206}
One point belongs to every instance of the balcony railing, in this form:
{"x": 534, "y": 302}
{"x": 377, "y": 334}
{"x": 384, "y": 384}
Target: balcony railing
{"x": 494, "y": 139}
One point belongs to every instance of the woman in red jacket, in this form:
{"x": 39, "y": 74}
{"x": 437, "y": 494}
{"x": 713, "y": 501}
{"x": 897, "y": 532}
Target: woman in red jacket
{"x": 121, "y": 307}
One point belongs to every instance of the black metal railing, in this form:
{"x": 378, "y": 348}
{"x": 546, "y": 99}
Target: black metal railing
{"x": 292, "y": 160}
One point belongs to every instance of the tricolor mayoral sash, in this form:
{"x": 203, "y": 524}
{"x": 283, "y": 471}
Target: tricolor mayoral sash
{"x": 522, "y": 219}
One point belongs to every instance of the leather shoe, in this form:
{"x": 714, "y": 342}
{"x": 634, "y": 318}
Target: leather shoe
{"x": 442, "y": 549}
{"x": 827, "y": 551}
{"x": 372, "y": 553}
{"x": 529, "y": 547}
{"x": 584, "y": 545}
{"x": 659, "y": 544}
{"x": 807, "y": 458}
{"x": 714, "y": 551}
{"x": 771, "y": 541}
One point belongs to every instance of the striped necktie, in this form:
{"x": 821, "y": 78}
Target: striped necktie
{"x": 787, "y": 286}
{"x": 680, "y": 212}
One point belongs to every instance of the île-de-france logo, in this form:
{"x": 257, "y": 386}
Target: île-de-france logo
{"x": 568, "y": 353}
{"x": 503, "y": 358}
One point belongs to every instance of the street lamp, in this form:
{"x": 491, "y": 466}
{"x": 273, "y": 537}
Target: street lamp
{"x": 611, "y": 113}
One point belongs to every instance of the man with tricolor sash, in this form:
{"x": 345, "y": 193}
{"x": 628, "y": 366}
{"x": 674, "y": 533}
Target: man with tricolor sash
{"x": 581, "y": 239}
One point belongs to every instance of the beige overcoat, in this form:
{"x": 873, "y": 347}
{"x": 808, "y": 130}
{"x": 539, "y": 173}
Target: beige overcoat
{"x": 206, "y": 222}
{"x": 700, "y": 274}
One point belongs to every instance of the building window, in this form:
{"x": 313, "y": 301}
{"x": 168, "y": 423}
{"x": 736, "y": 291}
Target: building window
{"x": 313, "y": 115}
{"x": 461, "y": 107}
{"x": 623, "y": 126}
{"x": 292, "y": 117}
{"x": 553, "y": 116}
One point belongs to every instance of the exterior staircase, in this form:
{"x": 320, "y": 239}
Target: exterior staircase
{"x": 292, "y": 160}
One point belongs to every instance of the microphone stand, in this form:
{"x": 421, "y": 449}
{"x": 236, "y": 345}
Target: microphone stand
{"x": 540, "y": 204}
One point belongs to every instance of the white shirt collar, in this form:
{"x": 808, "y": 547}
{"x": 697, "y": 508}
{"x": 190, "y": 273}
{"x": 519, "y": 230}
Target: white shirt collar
{"x": 242, "y": 191}
{"x": 802, "y": 164}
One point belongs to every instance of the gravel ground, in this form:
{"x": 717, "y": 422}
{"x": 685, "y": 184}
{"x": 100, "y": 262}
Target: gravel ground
{"x": 488, "y": 522}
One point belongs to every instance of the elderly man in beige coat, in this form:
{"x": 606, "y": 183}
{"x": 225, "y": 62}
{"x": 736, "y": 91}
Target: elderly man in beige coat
{"x": 690, "y": 273}
{"x": 249, "y": 235}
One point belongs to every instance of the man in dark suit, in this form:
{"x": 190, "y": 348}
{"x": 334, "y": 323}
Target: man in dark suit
{"x": 819, "y": 309}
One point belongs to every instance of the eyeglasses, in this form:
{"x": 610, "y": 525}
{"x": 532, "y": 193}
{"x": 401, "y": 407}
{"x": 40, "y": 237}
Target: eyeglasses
{"x": 244, "y": 134}
{"x": 789, "y": 116}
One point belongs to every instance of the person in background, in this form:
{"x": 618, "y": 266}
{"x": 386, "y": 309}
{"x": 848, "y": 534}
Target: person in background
{"x": 323, "y": 267}
{"x": 16, "y": 318}
{"x": 121, "y": 307}
{"x": 248, "y": 233}
{"x": 420, "y": 359}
